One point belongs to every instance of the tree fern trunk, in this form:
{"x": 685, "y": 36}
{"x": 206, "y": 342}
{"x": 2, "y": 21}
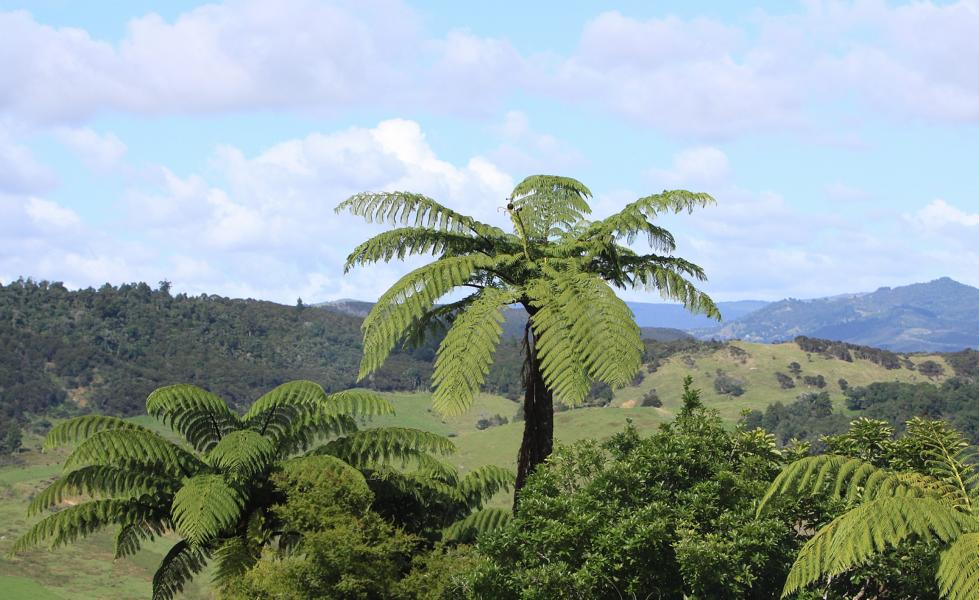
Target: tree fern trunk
{"x": 538, "y": 406}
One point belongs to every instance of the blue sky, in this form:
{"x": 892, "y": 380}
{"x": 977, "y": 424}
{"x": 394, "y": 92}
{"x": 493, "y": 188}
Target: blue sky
{"x": 206, "y": 144}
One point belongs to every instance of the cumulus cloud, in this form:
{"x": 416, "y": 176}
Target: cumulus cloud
{"x": 701, "y": 166}
{"x": 100, "y": 152}
{"x": 939, "y": 214}
{"x": 526, "y": 150}
{"x": 20, "y": 171}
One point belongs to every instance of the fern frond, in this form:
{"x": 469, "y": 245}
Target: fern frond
{"x": 243, "y": 454}
{"x": 323, "y": 465}
{"x": 409, "y": 241}
{"x": 205, "y": 507}
{"x": 133, "y": 447}
{"x": 195, "y": 413}
{"x": 406, "y": 208}
{"x": 384, "y": 444}
{"x": 131, "y": 536}
{"x": 542, "y": 202}
{"x": 481, "y": 484}
{"x": 467, "y": 529}
{"x": 843, "y": 477}
{"x": 667, "y": 278}
{"x": 466, "y": 352}
{"x": 232, "y": 558}
{"x": 602, "y": 329}
{"x": 74, "y": 522}
{"x": 80, "y": 428}
{"x": 408, "y": 300}
{"x": 958, "y": 569}
{"x": 560, "y": 362}
{"x": 634, "y": 219}
{"x": 181, "y": 563}
{"x": 293, "y": 414}
{"x": 99, "y": 481}
{"x": 869, "y": 529}
{"x": 359, "y": 404}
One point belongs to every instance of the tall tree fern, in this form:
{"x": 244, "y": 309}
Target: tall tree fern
{"x": 930, "y": 496}
{"x": 213, "y": 488}
{"x": 555, "y": 263}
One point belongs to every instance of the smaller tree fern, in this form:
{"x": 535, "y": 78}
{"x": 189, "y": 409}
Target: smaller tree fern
{"x": 213, "y": 489}
{"x": 930, "y": 497}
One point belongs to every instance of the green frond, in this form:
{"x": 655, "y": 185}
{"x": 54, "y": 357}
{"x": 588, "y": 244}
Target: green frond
{"x": 410, "y": 241}
{"x": 133, "y": 447}
{"x": 243, "y": 454}
{"x": 181, "y": 563}
{"x": 560, "y": 362}
{"x": 405, "y": 208}
{"x": 80, "y": 428}
{"x": 205, "y": 507}
{"x": 359, "y": 404}
{"x": 958, "y": 569}
{"x": 605, "y": 336}
{"x": 666, "y": 276}
{"x": 385, "y": 444}
{"x": 295, "y": 413}
{"x": 408, "y": 300}
{"x": 414, "y": 483}
{"x": 131, "y": 536}
{"x": 466, "y": 353}
{"x": 481, "y": 484}
{"x": 634, "y": 219}
{"x": 467, "y": 529}
{"x": 322, "y": 465}
{"x": 542, "y": 202}
{"x": 74, "y": 522}
{"x": 869, "y": 529}
{"x": 232, "y": 558}
{"x": 287, "y": 398}
{"x": 99, "y": 481}
{"x": 843, "y": 477}
{"x": 197, "y": 414}
{"x": 435, "y": 322}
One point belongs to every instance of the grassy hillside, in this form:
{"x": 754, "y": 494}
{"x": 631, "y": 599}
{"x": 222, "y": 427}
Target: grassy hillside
{"x": 756, "y": 368}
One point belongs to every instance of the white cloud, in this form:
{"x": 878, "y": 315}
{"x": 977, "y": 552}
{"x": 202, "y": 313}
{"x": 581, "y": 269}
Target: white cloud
{"x": 100, "y": 152}
{"x": 939, "y": 214}
{"x": 701, "y": 166}
{"x": 525, "y": 150}
{"x": 50, "y": 215}
{"x": 20, "y": 171}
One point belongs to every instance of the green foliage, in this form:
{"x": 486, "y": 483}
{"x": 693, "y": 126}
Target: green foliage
{"x": 919, "y": 489}
{"x": 218, "y": 498}
{"x": 669, "y": 515}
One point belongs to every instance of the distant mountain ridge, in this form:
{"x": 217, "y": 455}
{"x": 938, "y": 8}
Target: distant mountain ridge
{"x": 937, "y": 316}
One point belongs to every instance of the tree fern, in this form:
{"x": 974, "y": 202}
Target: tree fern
{"x": 98, "y": 481}
{"x": 410, "y": 241}
{"x": 385, "y": 444}
{"x": 242, "y": 454}
{"x": 80, "y": 428}
{"x": 958, "y": 569}
{"x": 179, "y": 566}
{"x": 113, "y": 447}
{"x": 407, "y": 209}
{"x": 466, "y": 352}
{"x": 74, "y": 522}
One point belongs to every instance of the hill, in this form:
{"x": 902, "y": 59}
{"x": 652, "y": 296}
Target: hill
{"x": 938, "y": 316}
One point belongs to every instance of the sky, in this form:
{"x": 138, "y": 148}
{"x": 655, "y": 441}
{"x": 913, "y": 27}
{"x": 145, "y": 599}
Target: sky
{"x": 207, "y": 144}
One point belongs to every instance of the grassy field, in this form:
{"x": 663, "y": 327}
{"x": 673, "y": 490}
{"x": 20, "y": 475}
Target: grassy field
{"x": 86, "y": 571}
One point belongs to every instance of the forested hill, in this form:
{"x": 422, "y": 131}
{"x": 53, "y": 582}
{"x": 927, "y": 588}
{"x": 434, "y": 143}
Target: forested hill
{"x": 108, "y": 348}
{"x": 937, "y": 316}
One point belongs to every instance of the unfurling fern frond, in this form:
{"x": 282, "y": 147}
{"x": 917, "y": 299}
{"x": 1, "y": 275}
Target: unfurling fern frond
{"x": 467, "y": 529}
{"x": 205, "y": 507}
{"x": 81, "y": 428}
{"x": 181, "y": 563}
{"x": 871, "y": 528}
{"x": 958, "y": 569}
{"x": 408, "y": 241}
{"x": 466, "y": 352}
{"x": 406, "y": 208}
{"x": 385, "y": 444}
{"x": 242, "y": 454}
{"x": 197, "y": 414}
{"x": 843, "y": 477}
{"x": 74, "y": 522}
{"x": 408, "y": 300}
{"x": 99, "y": 481}
{"x": 140, "y": 447}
